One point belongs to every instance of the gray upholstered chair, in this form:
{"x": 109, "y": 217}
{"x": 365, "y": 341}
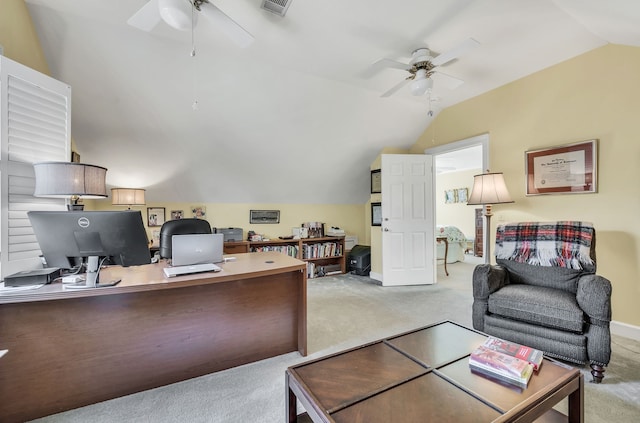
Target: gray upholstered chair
{"x": 544, "y": 292}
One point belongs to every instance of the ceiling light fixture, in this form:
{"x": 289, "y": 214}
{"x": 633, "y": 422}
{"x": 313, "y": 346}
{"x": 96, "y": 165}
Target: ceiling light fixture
{"x": 421, "y": 83}
{"x": 177, "y": 14}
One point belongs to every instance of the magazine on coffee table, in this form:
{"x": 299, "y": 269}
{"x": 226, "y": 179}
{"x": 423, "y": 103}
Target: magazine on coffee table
{"x": 501, "y": 366}
{"x": 522, "y": 352}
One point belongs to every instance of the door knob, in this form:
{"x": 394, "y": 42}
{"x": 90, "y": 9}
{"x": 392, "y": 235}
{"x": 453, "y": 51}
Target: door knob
{"x": 386, "y": 229}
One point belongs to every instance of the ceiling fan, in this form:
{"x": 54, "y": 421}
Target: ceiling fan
{"x": 422, "y": 66}
{"x": 180, "y": 15}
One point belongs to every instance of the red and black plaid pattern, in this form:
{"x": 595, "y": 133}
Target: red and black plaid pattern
{"x": 561, "y": 244}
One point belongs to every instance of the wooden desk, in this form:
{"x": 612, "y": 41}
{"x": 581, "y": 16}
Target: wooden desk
{"x": 73, "y": 348}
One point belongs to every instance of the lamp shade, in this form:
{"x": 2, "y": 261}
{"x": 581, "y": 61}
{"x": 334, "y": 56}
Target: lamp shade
{"x": 67, "y": 179}
{"x": 489, "y": 188}
{"x": 127, "y": 197}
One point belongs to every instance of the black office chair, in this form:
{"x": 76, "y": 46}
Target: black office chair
{"x": 180, "y": 227}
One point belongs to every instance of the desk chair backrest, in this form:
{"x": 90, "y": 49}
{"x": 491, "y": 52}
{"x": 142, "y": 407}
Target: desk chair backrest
{"x": 180, "y": 227}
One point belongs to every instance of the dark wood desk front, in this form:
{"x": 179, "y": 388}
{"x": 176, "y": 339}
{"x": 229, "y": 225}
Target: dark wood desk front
{"x": 72, "y": 348}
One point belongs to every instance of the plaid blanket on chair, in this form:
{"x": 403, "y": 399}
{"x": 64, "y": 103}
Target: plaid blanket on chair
{"x": 561, "y": 244}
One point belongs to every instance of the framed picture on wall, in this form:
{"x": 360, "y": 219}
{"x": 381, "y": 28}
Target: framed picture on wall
{"x": 461, "y": 195}
{"x": 376, "y": 214}
{"x": 450, "y": 196}
{"x": 155, "y": 216}
{"x": 566, "y": 169}
{"x": 376, "y": 181}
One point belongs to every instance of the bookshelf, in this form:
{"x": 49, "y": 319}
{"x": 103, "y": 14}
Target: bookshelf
{"x": 324, "y": 256}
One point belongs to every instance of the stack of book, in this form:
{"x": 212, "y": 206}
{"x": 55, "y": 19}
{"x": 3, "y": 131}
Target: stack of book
{"x": 506, "y": 361}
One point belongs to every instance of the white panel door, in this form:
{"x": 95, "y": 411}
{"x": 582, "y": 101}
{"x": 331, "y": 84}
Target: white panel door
{"x": 408, "y": 221}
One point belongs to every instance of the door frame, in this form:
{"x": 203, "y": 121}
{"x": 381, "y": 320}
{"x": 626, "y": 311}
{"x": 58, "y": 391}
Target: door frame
{"x": 481, "y": 140}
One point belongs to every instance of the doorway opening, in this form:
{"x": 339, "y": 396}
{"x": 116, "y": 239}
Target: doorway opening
{"x": 455, "y": 164}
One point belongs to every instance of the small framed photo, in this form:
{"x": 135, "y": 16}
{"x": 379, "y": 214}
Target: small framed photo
{"x": 155, "y": 216}
{"x": 376, "y": 214}
{"x": 75, "y": 157}
{"x": 450, "y": 196}
{"x": 199, "y": 212}
{"x": 376, "y": 181}
{"x": 177, "y": 214}
{"x": 462, "y": 195}
{"x": 565, "y": 169}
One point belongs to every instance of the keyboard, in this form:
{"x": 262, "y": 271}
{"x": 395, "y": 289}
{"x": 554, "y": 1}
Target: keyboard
{"x": 187, "y": 270}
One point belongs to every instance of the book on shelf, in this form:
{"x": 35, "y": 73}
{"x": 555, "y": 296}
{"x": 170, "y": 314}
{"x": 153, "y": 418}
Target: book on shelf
{"x": 501, "y": 366}
{"x": 533, "y": 356}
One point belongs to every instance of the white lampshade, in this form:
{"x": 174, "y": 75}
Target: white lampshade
{"x": 127, "y": 197}
{"x": 421, "y": 83}
{"x": 177, "y": 14}
{"x": 489, "y": 188}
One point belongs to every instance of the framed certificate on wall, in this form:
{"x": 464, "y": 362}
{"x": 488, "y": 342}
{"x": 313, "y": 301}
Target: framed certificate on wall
{"x": 376, "y": 214}
{"x": 376, "y": 181}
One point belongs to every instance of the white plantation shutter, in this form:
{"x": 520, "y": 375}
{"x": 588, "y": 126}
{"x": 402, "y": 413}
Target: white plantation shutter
{"x": 35, "y": 125}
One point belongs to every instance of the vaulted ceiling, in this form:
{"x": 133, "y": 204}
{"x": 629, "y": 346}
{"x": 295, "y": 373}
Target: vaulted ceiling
{"x": 291, "y": 118}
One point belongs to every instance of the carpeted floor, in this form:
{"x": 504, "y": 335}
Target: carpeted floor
{"x": 345, "y": 311}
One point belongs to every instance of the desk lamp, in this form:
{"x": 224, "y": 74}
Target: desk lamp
{"x": 127, "y": 197}
{"x": 488, "y": 189}
{"x": 67, "y": 179}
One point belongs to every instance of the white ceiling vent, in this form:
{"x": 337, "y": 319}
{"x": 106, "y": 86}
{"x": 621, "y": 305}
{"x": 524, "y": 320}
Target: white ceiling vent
{"x": 279, "y": 7}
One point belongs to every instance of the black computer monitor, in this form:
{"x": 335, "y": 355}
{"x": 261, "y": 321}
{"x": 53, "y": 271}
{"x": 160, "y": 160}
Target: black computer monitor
{"x": 118, "y": 236}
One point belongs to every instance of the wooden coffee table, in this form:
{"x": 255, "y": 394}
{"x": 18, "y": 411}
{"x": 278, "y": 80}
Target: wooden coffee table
{"x": 424, "y": 375}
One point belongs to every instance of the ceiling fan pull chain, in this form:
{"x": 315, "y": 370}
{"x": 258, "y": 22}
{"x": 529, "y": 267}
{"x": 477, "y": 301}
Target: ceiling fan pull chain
{"x": 194, "y": 105}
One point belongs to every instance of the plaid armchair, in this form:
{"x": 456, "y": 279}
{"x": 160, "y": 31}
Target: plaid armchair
{"x": 544, "y": 292}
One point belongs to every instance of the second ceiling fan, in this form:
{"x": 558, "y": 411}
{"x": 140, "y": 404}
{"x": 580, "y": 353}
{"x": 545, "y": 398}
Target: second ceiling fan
{"x": 422, "y": 66}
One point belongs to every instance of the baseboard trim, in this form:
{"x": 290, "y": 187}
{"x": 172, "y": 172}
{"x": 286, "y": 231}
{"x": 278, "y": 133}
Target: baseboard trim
{"x": 626, "y": 330}
{"x": 376, "y": 276}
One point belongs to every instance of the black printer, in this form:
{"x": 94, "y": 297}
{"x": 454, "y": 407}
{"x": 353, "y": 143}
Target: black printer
{"x": 360, "y": 260}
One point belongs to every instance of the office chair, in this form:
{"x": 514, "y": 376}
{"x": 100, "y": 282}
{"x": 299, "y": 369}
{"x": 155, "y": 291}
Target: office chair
{"x": 180, "y": 227}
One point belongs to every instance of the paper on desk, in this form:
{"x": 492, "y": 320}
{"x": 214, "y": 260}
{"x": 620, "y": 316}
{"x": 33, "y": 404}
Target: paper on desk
{"x": 11, "y": 289}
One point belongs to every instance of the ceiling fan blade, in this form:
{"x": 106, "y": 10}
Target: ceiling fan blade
{"x": 451, "y": 82}
{"x": 456, "y": 52}
{"x": 147, "y": 17}
{"x": 227, "y": 25}
{"x": 383, "y": 64}
{"x": 396, "y": 87}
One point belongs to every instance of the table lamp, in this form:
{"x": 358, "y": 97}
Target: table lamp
{"x": 127, "y": 197}
{"x": 488, "y": 188}
{"x": 70, "y": 180}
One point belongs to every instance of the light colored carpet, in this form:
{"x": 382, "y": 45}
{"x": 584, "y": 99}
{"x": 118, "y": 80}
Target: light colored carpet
{"x": 345, "y": 311}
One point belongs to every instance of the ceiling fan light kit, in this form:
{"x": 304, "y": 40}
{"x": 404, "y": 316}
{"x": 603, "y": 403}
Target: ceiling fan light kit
{"x": 177, "y": 14}
{"x": 421, "y": 83}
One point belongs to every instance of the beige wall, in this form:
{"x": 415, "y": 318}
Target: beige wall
{"x": 595, "y": 95}
{"x": 348, "y": 217}
{"x": 18, "y": 36}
